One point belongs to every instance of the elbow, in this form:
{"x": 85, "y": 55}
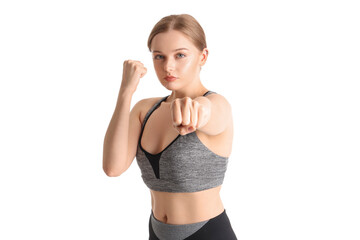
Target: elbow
{"x": 112, "y": 172}
{"x": 111, "y": 167}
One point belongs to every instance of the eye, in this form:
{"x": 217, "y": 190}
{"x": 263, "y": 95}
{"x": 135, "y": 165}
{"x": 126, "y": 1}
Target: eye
{"x": 179, "y": 54}
{"x": 157, "y": 56}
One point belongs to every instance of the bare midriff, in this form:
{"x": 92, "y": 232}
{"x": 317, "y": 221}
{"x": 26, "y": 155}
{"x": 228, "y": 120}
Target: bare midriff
{"x": 186, "y": 208}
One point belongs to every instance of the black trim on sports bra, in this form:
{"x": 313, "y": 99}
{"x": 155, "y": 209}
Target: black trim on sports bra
{"x": 145, "y": 120}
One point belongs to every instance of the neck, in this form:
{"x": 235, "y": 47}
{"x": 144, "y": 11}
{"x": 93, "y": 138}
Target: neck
{"x": 188, "y": 91}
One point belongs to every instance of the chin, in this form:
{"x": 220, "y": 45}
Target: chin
{"x": 169, "y": 85}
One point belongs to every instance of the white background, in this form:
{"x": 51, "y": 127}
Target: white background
{"x": 290, "y": 70}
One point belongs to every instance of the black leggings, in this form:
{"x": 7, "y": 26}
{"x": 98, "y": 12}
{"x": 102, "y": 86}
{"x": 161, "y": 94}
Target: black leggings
{"x": 217, "y": 228}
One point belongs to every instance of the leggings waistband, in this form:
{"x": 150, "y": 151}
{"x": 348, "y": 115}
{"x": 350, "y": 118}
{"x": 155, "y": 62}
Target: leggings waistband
{"x": 175, "y": 231}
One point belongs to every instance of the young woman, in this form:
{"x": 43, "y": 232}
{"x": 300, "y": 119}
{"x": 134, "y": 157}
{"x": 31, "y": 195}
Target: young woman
{"x": 182, "y": 141}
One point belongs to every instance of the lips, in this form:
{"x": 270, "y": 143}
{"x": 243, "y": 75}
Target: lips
{"x": 170, "y": 78}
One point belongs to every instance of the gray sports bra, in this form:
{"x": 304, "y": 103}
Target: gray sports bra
{"x": 185, "y": 165}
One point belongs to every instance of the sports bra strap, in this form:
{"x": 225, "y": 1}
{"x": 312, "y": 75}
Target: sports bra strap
{"x": 156, "y": 105}
{"x": 208, "y": 92}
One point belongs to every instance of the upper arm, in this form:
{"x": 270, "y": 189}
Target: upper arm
{"x": 134, "y": 131}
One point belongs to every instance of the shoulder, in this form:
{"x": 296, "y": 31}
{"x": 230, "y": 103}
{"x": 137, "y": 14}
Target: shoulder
{"x": 219, "y": 100}
{"x": 144, "y": 105}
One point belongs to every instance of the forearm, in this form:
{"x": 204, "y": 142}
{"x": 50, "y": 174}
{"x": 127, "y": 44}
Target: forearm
{"x": 116, "y": 138}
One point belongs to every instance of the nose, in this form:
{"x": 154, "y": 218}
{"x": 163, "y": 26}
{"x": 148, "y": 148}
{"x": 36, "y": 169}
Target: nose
{"x": 169, "y": 66}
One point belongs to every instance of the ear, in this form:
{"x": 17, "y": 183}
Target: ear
{"x": 204, "y": 56}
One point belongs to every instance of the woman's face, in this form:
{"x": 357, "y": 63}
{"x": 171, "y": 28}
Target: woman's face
{"x": 174, "y": 54}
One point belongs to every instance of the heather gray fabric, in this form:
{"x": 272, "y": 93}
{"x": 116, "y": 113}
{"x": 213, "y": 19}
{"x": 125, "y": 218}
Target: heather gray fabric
{"x": 172, "y": 231}
{"x": 185, "y": 165}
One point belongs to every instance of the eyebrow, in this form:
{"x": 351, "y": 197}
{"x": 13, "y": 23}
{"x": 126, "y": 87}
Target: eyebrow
{"x": 173, "y": 51}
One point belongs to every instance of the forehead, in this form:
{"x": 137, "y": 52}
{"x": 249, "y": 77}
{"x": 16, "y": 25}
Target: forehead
{"x": 167, "y": 42}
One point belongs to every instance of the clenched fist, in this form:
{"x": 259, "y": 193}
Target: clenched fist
{"x": 133, "y": 70}
{"x": 188, "y": 115}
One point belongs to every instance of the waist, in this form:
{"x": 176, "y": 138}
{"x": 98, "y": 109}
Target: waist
{"x": 186, "y": 208}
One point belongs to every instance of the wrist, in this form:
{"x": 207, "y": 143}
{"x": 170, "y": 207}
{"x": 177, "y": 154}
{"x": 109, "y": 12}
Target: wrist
{"x": 124, "y": 93}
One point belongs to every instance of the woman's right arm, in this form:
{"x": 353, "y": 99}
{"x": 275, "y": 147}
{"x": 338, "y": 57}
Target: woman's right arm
{"x": 122, "y": 135}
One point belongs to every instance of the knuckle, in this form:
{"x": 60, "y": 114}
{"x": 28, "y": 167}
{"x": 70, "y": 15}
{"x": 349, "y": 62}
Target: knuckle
{"x": 186, "y": 100}
{"x": 177, "y": 122}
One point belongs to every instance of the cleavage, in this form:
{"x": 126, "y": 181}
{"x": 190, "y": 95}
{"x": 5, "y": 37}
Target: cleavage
{"x": 158, "y": 131}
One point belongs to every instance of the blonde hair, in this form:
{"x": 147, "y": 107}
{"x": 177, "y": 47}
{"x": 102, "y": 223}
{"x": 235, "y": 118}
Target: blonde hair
{"x": 184, "y": 23}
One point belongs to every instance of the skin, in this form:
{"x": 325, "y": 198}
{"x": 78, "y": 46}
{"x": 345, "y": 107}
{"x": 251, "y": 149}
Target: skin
{"x": 213, "y": 124}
